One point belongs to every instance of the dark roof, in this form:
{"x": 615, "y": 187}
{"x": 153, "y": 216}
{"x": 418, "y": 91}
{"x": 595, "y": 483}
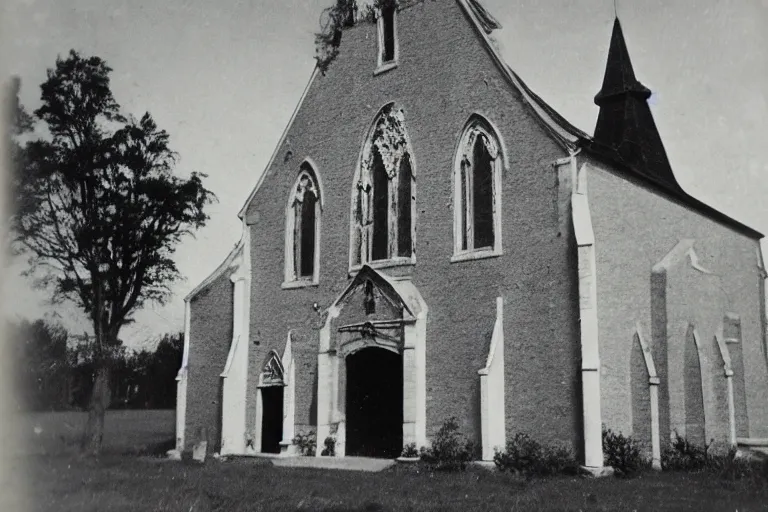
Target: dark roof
{"x": 619, "y": 76}
{"x": 554, "y": 114}
{"x": 626, "y": 136}
{"x": 625, "y": 123}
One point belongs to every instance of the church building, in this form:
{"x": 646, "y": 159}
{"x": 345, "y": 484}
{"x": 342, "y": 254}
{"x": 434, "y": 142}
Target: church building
{"x": 431, "y": 240}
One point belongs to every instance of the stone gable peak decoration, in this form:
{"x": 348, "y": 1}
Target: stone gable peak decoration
{"x": 386, "y": 334}
{"x": 273, "y": 372}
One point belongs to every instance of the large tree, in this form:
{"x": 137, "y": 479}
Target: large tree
{"x": 100, "y": 211}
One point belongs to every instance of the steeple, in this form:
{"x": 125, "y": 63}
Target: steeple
{"x": 619, "y": 76}
{"x": 625, "y": 124}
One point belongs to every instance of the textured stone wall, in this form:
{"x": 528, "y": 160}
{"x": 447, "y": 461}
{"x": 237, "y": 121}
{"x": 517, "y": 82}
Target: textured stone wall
{"x": 640, "y": 394}
{"x": 694, "y": 299}
{"x": 209, "y": 341}
{"x": 635, "y": 228}
{"x": 445, "y": 75}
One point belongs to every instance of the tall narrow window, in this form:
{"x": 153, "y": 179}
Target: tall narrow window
{"x": 477, "y": 194}
{"x": 383, "y": 195}
{"x": 306, "y": 237}
{"x": 380, "y": 208}
{"x": 482, "y": 196}
{"x": 302, "y": 230}
{"x": 387, "y": 27}
{"x": 404, "y": 205}
{"x": 388, "y": 21}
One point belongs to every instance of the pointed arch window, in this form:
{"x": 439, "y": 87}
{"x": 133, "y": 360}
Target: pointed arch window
{"x": 382, "y": 227}
{"x": 302, "y": 234}
{"x": 477, "y": 193}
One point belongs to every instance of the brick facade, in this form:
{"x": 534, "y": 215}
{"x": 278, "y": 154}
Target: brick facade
{"x": 209, "y": 339}
{"x": 444, "y": 76}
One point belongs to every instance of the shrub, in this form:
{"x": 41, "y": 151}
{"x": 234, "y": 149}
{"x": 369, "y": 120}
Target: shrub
{"x": 522, "y": 455}
{"x": 622, "y": 453}
{"x": 330, "y": 447}
{"x": 682, "y": 455}
{"x": 410, "y": 451}
{"x": 558, "y": 460}
{"x": 450, "y": 450}
{"x": 527, "y": 456}
{"x": 730, "y": 466}
{"x": 734, "y": 467}
{"x": 307, "y": 443}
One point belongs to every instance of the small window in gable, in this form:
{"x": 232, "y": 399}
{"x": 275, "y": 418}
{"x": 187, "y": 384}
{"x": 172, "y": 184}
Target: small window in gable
{"x": 477, "y": 193}
{"x": 302, "y": 230}
{"x": 383, "y": 195}
{"x": 388, "y": 17}
{"x": 388, "y": 45}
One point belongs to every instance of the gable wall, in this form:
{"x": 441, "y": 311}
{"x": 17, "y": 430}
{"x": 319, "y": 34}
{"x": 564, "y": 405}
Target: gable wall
{"x": 210, "y": 336}
{"x": 634, "y": 229}
{"x": 444, "y": 76}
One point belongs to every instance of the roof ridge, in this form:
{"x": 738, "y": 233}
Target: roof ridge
{"x": 487, "y": 20}
{"x": 564, "y": 132}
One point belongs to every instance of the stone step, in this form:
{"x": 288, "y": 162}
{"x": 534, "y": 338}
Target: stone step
{"x": 340, "y": 463}
{"x": 754, "y": 445}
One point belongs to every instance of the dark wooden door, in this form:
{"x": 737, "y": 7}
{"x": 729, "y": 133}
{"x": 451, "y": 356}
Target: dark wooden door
{"x": 272, "y": 419}
{"x": 374, "y": 407}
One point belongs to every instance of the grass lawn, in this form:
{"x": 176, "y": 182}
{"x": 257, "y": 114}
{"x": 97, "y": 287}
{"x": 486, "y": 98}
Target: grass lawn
{"x": 58, "y": 433}
{"x": 56, "y": 479}
{"x": 117, "y": 483}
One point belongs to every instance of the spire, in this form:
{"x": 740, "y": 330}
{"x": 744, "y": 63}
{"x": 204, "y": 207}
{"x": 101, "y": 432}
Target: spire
{"x": 625, "y": 125}
{"x": 619, "y": 75}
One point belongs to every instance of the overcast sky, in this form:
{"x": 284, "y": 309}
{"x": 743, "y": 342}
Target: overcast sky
{"x": 223, "y": 77}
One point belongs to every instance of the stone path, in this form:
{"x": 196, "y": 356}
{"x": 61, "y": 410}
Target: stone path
{"x": 341, "y": 463}
{"x": 758, "y": 447}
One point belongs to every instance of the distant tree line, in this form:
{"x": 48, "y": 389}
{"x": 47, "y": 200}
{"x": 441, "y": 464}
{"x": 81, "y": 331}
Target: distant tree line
{"x": 57, "y": 371}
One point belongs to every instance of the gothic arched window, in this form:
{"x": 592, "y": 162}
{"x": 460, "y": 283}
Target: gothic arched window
{"x": 383, "y": 195}
{"x": 477, "y": 192}
{"x": 302, "y": 236}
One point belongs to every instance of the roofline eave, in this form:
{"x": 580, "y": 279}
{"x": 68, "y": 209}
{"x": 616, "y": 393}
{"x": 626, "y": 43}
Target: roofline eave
{"x": 588, "y": 146}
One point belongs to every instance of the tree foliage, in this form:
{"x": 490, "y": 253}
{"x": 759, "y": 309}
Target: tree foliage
{"x": 21, "y": 121}
{"x": 40, "y": 357}
{"x": 18, "y": 123}
{"x": 100, "y": 212}
{"x": 55, "y": 371}
{"x": 150, "y": 378}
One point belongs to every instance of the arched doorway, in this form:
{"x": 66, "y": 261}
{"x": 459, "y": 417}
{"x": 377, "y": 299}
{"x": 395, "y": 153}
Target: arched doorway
{"x": 271, "y": 387}
{"x": 374, "y": 403}
{"x": 272, "y": 419}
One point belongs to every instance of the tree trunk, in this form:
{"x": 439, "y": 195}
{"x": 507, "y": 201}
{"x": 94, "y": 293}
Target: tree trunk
{"x": 100, "y": 398}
